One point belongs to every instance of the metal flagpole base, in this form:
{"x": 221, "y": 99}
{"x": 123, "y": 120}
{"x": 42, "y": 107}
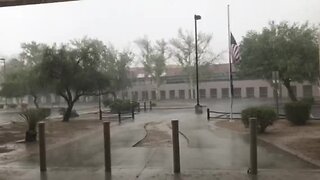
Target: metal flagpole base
{"x": 198, "y": 109}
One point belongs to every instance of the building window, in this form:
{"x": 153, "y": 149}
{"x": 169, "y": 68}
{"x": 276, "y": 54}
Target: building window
{"x": 162, "y": 95}
{"x": 202, "y": 93}
{"x": 144, "y": 95}
{"x": 153, "y": 95}
{"x": 48, "y": 98}
{"x": 213, "y": 93}
{"x": 172, "y": 94}
{"x": 263, "y": 92}
{"x": 225, "y": 92}
{"x": 237, "y": 92}
{"x": 194, "y": 94}
{"x": 307, "y": 91}
{"x": 134, "y": 95}
{"x": 250, "y": 92}
{"x": 182, "y": 94}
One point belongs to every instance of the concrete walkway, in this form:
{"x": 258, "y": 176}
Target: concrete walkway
{"x": 207, "y": 152}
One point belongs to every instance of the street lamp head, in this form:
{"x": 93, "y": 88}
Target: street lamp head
{"x": 197, "y": 17}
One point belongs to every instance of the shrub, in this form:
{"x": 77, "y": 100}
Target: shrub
{"x": 153, "y": 104}
{"x": 308, "y": 100}
{"x": 45, "y": 112}
{"x": 135, "y": 104}
{"x": 24, "y": 106}
{"x": 32, "y": 117}
{"x": 265, "y": 117}
{"x": 107, "y": 102}
{"x": 73, "y": 114}
{"x": 12, "y": 106}
{"x": 123, "y": 105}
{"x": 297, "y": 112}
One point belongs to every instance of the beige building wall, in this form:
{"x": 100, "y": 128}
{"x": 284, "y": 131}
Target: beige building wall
{"x": 243, "y": 84}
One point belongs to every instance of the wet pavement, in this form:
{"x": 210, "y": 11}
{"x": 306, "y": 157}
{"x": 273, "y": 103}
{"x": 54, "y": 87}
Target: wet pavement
{"x": 207, "y": 152}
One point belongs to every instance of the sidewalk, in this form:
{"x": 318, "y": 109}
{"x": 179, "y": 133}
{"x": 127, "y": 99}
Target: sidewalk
{"x": 153, "y": 174}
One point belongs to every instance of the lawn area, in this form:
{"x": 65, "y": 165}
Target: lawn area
{"x": 57, "y": 132}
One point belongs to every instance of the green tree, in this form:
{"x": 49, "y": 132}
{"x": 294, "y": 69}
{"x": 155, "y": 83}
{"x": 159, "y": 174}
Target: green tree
{"x": 32, "y": 53}
{"x": 288, "y": 48}
{"x": 32, "y": 56}
{"x": 72, "y": 70}
{"x": 183, "y": 50}
{"x": 153, "y": 58}
{"x": 14, "y": 85}
{"x": 116, "y": 65}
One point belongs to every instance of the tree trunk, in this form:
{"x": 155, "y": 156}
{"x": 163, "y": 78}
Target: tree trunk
{"x": 31, "y": 136}
{"x": 67, "y": 114}
{"x": 291, "y": 94}
{"x": 157, "y": 94}
{"x": 35, "y": 101}
{"x": 158, "y": 84}
{"x": 114, "y": 94}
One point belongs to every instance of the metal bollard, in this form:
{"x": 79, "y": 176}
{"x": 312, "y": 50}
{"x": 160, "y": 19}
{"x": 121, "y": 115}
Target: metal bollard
{"x": 132, "y": 113}
{"x": 175, "y": 145}
{"x": 150, "y": 104}
{"x": 107, "y": 151}
{"x": 253, "y": 147}
{"x": 144, "y": 106}
{"x": 119, "y": 117}
{"x": 42, "y": 147}
{"x": 100, "y": 114}
{"x": 208, "y": 114}
{"x": 138, "y": 107}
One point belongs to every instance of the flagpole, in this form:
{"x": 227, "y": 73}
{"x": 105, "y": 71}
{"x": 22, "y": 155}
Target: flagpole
{"x": 230, "y": 68}
{"x": 319, "y": 61}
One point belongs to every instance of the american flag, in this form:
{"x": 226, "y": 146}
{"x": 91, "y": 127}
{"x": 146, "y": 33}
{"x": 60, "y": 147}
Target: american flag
{"x": 235, "y": 50}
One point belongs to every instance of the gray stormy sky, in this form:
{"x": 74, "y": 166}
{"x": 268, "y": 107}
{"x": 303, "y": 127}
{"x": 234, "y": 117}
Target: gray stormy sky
{"x": 123, "y": 21}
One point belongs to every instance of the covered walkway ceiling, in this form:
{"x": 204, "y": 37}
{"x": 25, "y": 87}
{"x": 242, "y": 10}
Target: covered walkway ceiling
{"x": 5, "y": 3}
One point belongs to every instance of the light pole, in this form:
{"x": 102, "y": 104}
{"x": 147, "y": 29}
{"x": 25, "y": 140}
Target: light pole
{"x": 198, "y": 107}
{"x": 4, "y": 75}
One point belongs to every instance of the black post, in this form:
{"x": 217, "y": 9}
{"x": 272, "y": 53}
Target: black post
{"x": 107, "y": 151}
{"x": 253, "y": 146}
{"x": 132, "y": 112}
{"x": 208, "y": 114}
{"x": 42, "y": 146}
{"x": 150, "y": 104}
{"x": 175, "y": 145}
{"x": 119, "y": 117}
{"x": 144, "y": 106}
{"x": 196, "y": 17}
{"x": 198, "y": 107}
